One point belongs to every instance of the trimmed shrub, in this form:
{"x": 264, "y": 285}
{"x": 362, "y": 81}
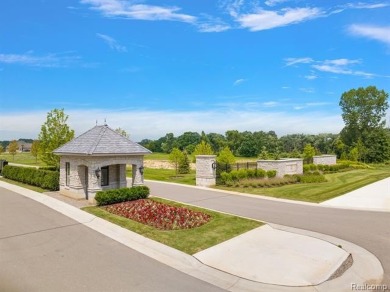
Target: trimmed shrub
{"x": 271, "y": 173}
{"x": 45, "y": 179}
{"x": 242, "y": 174}
{"x": 49, "y": 168}
{"x": 226, "y": 177}
{"x": 251, "y": 173}
{"x": 260, "y": 173}
{"x": 114, "y": 196}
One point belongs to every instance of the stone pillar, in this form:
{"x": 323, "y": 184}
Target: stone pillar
{"x": 206, "y": 170}
{"x": 138, "y": 174}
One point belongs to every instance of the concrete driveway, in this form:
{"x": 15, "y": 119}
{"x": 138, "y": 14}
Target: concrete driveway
{"x": 373, "y": 197}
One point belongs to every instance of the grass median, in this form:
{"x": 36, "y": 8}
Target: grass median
{"x": 220, "y": 228}
{"x": 337, "y": 184}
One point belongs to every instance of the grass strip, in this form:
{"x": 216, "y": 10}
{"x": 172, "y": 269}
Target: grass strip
{"x": 337, "y": 184}
{"x": 220, "y": 228}
{"x": 26, "y": 186}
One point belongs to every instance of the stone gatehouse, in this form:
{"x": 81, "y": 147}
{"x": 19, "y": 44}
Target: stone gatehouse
{"x": 97, "y": 160}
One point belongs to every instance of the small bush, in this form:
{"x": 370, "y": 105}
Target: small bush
{"x": 260, "y": 173}
{"x": 121, "y": 195}
{"x": 49, "y": 180}
{"x": 226, "y": 177}
{"x": 242, "y": 174}
{"x": 271, "y": 173}
{"x": 251, "y": 173}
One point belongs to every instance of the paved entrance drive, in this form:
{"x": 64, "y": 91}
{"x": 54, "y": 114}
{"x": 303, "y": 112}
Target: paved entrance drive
{"x": 375, "y": 196}
{"x": 276, "y": 257}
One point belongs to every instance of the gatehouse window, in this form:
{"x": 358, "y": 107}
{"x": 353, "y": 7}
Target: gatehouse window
{"x": 67, "y": 173}
{"x": 104, "y": 178}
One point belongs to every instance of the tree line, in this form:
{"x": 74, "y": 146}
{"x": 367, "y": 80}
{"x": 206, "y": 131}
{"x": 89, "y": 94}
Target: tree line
{"x": 364, "y": 137}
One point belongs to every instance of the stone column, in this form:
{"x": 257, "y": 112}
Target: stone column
{"x": 138, "y": 175}
{"x": 206, "y": 170}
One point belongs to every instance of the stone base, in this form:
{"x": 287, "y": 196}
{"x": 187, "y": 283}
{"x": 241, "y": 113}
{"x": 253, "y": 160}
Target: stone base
{"x": 205, "y": 182}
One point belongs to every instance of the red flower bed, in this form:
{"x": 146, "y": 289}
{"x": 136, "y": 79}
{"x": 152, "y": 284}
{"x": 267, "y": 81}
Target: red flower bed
{"x": 159, "y": 215}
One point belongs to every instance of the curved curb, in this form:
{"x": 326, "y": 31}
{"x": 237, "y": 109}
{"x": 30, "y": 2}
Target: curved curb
{"x": 365, "y": 270}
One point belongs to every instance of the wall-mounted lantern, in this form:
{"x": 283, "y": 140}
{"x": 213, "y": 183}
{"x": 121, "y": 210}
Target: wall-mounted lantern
{"x": 97, "y": 172}
{"x": 141, "y": 170}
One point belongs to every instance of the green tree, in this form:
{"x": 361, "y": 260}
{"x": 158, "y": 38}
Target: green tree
{"x": 122, "y": 132}
{"x": 226, "y": 156}
{"x": 1, "y": 149}
{"x": 363, "y": 112}
{"x": 308, "y": 153}
{"x": 13, "y": 148}
{"x": 175, "y": 157}
{"x": 169, "y": 142}
{"x": 54, "y": 133}
{"x": 35, "y": 149}
{"x": 203, "y": 148}
{"x": 184, "y": 164}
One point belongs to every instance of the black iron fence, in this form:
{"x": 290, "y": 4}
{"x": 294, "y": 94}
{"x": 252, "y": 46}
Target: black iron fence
{"x": 221, "y": 167}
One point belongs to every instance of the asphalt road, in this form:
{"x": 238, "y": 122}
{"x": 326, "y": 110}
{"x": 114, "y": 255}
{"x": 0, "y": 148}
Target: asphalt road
{"x": 370, "y": 230}
{"x": 43, "y": 250}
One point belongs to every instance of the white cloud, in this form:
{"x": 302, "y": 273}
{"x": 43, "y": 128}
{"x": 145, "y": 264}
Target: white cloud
{"x": 311, "y": 77}
{"x": 49, "y": 60}
{"x": 363, "y": 5}
{"x": 274, "y": 2}
{"x": 207, "y": 27}
{"x": 294, "y": 61}
{"x": 154, "y": 124}
{"x": 127, "y": 9}
{"x": 238, "y": 81}
{"x": 341, "y": 66}
{"x": 112, "y": 43}
{"x": 266, "y": 19}
{"x": 378, "y": 33}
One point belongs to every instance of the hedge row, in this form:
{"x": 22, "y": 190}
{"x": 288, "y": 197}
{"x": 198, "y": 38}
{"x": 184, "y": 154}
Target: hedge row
{"x": 45, "y": 179}
{"x": 237, "y": 175}
{"x": 325, "y": 168}
{"x": 121, "y": 195}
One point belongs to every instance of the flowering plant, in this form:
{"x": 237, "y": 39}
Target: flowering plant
{"x": 159, "y": 215}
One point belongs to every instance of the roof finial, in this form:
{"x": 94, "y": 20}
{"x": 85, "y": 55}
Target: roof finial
{"x": 105, "y": 123}
{"x": 96, "y": 122}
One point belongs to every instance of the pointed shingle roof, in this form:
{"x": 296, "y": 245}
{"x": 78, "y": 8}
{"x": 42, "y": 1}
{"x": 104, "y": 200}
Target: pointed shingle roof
{"x": 101, "y": 140}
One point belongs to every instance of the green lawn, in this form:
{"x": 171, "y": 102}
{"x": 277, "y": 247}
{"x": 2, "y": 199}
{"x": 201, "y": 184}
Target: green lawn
{"x": 22, "y": 158}
{"x": 167, "y": 175}
{"x": 221, "y": 228}
{"x": 337, "y": 184}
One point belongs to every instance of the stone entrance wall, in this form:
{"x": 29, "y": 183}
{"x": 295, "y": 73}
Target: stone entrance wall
{"x": 282, "y": 166}
{"x": 325, "y": 159}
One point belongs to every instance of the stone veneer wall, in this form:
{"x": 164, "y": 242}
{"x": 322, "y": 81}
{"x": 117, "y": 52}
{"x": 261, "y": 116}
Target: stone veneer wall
{"x": 205, "y": 173}
{"x": 80, "y": 187}
{"x": 325, "y": 159}
{"x": 282, "y": 166}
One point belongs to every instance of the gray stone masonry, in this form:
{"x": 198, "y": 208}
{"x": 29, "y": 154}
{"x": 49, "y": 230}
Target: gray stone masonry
{"x": 83, "y": 182}
{"x": 282, "y": 166}
{"x": 205, "y": 172}
{"x": 325, "y": 159}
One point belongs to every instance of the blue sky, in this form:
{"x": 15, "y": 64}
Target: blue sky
{"x": 152, "y": 67}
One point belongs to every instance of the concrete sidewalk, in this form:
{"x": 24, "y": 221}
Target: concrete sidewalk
{"x": 373, "y": 197}
{"x": 271, "y": 258}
